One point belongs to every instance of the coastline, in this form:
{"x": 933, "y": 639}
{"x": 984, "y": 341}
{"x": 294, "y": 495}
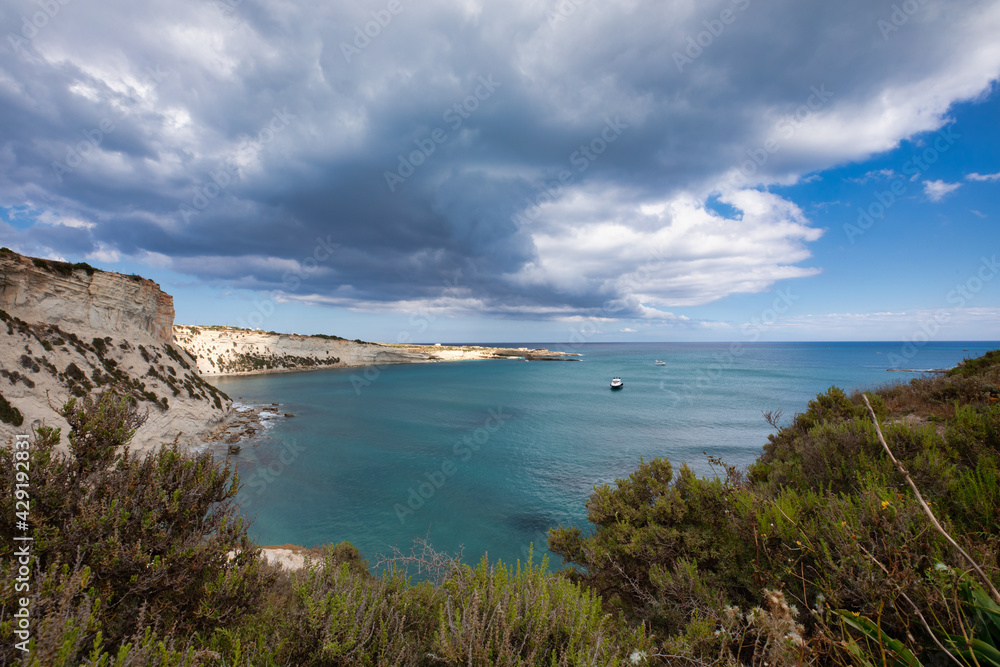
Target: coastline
{"x": 545, "y": 355}
{"x": 243, "y": 423}
{"x": 244, "y": 420}
{"x": 226, "y": 351}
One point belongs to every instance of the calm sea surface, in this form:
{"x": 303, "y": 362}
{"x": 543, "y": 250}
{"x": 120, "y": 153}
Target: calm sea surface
{"x": 488, "y": 455}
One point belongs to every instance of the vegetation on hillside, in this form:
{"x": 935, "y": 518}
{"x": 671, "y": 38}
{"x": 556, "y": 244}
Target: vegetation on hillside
{"x": 10, "y": 414}
{"x": 188, "y": 329}
{"x": 242, "y": 362}
{"x": 822, "y": 521}
{"x": 64, "y": 269}
{"x": 819, "y": 554}
{"x": 98, "y": 365}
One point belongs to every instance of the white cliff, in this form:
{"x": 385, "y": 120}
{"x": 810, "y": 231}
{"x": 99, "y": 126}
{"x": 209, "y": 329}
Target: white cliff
{"x": 229, "y": 351}
{"x": 66, "y": 331}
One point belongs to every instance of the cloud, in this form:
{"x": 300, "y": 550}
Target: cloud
{"x": 676, "y": 253}
{"x": 983, "y": 177}
{"x": 876, "y": 175}
{"x": 236, "y": 139}
{"x": 938, "y": 190}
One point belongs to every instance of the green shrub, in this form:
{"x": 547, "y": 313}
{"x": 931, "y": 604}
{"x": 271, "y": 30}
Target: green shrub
{"x": 61, "y": 268}
{"x": 83, "y": 266}
{"x": 499, "y": 615}
{"x": 661, "y": 550}
{"x": 157, "y": 538}
{"x": 73, "y": 372}
{"x": 978, "y": 366}
{"x": 101, "y": 345}
{"x": 9, "y": 414}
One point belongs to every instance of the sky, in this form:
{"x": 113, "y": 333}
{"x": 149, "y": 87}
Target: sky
{"x": 531, "y": 170}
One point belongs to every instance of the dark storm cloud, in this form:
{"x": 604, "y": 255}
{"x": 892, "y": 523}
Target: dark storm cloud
{"x": 533, "y": 154}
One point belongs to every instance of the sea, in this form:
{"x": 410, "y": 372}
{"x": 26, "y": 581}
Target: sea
{"x": 482, "y": 458}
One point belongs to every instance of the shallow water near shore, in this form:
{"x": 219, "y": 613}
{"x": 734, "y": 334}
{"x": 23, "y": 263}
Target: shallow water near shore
{"x": 488, "y": 455}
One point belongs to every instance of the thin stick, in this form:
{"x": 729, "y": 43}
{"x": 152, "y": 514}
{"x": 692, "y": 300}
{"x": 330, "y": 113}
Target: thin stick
{"x": 927, "y": 510}
{"x": 916, "y": 610}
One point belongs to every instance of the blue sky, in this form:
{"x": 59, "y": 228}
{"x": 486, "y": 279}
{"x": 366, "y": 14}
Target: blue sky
{"x": 528, "y": 171}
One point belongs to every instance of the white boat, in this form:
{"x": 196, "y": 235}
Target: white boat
{"x": 659, "y": 363}
{"x": 616, "y": 383}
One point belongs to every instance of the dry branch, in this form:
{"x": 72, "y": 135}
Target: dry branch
{"x": 927, "y": 510}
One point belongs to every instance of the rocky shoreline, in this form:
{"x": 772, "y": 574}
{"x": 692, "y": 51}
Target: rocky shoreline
{"x": 291, "y": 556}
{"x": 243, "y": 424}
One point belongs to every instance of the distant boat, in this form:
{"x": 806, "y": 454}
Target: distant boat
{"x": 616, "y": 383}
{"x": 659, "y": 363}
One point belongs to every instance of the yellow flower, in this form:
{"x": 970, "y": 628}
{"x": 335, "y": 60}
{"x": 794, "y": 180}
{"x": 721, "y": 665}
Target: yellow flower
{"x": 885, "y": 503}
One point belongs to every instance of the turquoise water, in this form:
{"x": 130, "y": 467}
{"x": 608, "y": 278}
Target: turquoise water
{"x": 488, "y": 455}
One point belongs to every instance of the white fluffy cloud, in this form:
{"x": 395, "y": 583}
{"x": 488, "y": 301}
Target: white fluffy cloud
{"x": 983, "y": 177}
{"x": 938, "y": 190}
{"x": 669, "y": 253}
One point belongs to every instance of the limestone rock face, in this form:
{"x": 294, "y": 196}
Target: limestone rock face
{"x": 227, "y": 351}
{"x": 87, "y": 303}
{"x": 66, "y": 332}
